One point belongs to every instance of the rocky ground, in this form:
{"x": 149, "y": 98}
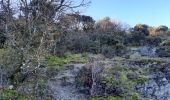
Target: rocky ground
{"x": 140, "y": 76}
{"x": 63, "y": 85}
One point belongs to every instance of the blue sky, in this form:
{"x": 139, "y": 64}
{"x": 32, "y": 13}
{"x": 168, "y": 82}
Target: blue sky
{"x": 132, "y": 12}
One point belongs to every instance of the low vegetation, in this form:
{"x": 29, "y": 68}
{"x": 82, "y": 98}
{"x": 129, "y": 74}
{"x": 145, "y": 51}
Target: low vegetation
{"x": 38, "y": 38}
{"x": 66, "y": 59}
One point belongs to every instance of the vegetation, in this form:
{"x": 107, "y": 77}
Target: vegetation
{"x": 39, "y": 37}
{"x": 11, "y": 94}
{"x": 115, "y": 81}
{"x": 66, "y": 59}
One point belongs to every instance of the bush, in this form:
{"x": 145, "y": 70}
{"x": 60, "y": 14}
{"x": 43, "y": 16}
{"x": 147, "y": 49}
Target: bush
{"x": 163, "y": 51}
{"x": 2, "y": 40}
{"x": 166, "y": 42}
{"x": 107, "y": 44}
{"x": 77, "y": 43}
{"x": 10, "y": 95}
{"x": 136, "y": 39}
{"x": 153, "y": 41}
{"x": 107, "y": 51}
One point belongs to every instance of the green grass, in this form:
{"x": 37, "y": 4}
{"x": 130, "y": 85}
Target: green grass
{"x": 11, "y": 95}
{"x": 67, "y": 59}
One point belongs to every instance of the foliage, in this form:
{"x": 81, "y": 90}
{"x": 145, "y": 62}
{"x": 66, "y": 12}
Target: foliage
{"x": 10, "y": 59}
{"x": 162, "y": 28}
{"x": 125, "y": 78}
{"x": 108, "y": 44}
{"x": 66, "y": 59}
{"x": 113, "y": 82}
{"x": 8, "y": 94}
{"x": 166, "y": 42}
{"x": 146, "y": 60}
{"x": 29, "y": 51}
{"x": 163, "y": 51}
{"x": 2, "y": 40}
{"x": 153, "y": 41}
{"x": 142, "y": 28}
{"x": 136, "y": 38}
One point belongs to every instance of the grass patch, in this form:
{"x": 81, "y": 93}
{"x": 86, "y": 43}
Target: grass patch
{"x": 11, "y": 95}
{"x": 66, "y": 59}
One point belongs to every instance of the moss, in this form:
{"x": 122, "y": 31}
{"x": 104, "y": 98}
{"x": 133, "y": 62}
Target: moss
{"x": 135, "y": 96}
{"x": 11, "y": 95}
{"x": 125, "y": 78}
{"x": 107, "y": 98}
{"x": 67, "y": 59}
{"x": 141, "y": 80}
{"x": 132, "y": 96}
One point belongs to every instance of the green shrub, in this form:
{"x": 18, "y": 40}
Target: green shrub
{"x": 10, "y": 95}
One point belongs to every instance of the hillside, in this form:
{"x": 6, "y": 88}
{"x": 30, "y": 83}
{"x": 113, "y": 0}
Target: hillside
{"x": 51, "y": 51}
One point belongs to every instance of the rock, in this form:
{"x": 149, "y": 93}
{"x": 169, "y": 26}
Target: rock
{"x": 135, "y": 55}
{"x": 158, "y": 86}
{"x": 143, "y": 51}
{"x": 11, "y": 87}
{"x": 147, "y": 51}
{"x": 1, "y": 87}
{"x": 63, "y": 85}
{"x": 108, "y": 78}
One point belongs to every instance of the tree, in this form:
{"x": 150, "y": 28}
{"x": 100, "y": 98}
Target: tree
{"x": 76, "y": 22}
{"x": 37, "y": 18}
{"x": 142, "y": 28}
{"x": 107, "y": 25}
{"x": 104, "y": 24}
{"x": 162, "y": 28}
{"x": 152, "y": 30}
{"x": 29, "y": 34}
{"x": 88, "y": 23}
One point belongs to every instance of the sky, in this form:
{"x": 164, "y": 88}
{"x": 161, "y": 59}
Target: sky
{"x": 132, "y": 12}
